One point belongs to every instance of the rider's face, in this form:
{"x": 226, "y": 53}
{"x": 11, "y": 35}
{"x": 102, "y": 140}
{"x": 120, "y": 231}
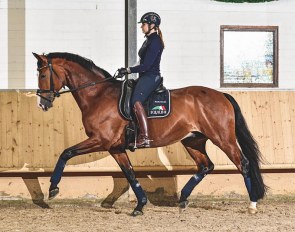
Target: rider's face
{"x": 144, "y": 28}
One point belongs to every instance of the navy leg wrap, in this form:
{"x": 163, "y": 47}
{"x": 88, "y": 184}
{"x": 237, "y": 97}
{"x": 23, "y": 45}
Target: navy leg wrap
{"x": 139, "y": 193}
{"x": 57, "y": 173}
{"x": 136, "y": 187}
{"x": 59, "y": 168}
{"x": 191, "y": 184}
{"x": 248, "y": 184}
{"x": 247, "y": 178}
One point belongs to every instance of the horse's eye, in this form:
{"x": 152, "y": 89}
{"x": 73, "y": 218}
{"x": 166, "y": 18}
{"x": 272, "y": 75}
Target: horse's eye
{"x": 43, "y": 76}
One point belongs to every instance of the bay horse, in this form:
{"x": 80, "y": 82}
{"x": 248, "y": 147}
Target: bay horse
{"x": 198, "y": 114}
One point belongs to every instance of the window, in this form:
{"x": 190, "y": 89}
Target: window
{"x": 249, "y": 56}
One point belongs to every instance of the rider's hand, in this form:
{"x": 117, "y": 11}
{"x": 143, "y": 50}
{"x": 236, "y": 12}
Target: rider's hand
{"x": 123, "y": 71}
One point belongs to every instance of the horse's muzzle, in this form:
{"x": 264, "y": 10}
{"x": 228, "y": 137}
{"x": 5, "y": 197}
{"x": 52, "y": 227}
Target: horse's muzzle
{"x": 45, "y": 103}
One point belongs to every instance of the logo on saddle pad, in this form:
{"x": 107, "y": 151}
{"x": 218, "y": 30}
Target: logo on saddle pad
{"x": 158, "y": 110}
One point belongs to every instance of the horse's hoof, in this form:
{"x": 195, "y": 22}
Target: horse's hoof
{"x": 106, "y": 205}
{"x": 136, "y": 213}
{"x": 252, "y": 210}
{"x": 183, "y": 206}
{"x": 53, "y": 193}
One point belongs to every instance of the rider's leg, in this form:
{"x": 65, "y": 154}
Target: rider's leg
{"x": 144, "y": 87}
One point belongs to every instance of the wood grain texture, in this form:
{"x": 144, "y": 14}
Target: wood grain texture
{"x": 32, "y": 140}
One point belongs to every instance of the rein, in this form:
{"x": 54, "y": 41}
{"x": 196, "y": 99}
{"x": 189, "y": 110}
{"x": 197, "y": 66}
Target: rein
{"x": 57, "y": 93}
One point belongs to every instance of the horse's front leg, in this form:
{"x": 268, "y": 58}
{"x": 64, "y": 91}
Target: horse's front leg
{"x": 122, "y": 159}
{"x": 87, "y": 146}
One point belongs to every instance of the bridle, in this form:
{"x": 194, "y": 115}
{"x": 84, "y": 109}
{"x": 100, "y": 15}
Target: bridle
{"x": 51, "y": 90}
{"x": 57, "y": 93}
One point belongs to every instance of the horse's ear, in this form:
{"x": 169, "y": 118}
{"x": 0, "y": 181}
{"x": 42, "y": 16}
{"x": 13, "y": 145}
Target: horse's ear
{"x": 39, "y": 57}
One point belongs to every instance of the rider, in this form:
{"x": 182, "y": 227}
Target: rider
{"x": 149, "y": 72}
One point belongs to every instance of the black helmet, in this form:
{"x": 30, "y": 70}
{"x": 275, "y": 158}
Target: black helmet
{"x": 151, "y": 18}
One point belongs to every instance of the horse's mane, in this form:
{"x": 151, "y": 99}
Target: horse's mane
{"x": 84, "y": 62}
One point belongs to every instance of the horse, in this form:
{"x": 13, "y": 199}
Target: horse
{"x": 198, "y": 114}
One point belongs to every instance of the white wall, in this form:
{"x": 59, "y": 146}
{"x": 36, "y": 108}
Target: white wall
{"x": 91, "y": 28}
{"x": 191, "y": 30}
{"x": 3, "y": 44}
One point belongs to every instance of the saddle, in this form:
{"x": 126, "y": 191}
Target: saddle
{"x": 157, "y": 106}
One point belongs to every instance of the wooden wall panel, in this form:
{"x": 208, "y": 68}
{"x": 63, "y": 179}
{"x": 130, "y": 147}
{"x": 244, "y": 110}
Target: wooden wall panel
{"x": 291, "y": 100}
{"x": 32, "y": 140}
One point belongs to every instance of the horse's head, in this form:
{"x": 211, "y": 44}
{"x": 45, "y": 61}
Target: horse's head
{"x": 50, "y": 81}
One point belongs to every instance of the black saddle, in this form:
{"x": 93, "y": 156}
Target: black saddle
{"x": 157, "y": 105}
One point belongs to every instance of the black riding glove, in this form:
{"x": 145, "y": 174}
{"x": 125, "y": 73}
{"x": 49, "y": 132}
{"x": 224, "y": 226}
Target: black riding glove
{"x": 123, "y": 71}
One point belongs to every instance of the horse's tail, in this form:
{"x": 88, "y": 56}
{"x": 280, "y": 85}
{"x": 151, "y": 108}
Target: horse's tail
{"x": 250, "y": 149}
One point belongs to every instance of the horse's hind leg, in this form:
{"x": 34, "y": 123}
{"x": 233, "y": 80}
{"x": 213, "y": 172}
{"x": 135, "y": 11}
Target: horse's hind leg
{"x": 196, "y": 148}
{"x": 123, "y": 161}
{"x": 229, "y": 146}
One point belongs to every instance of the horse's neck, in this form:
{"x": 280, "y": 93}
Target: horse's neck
{"x": 86, "y": 97}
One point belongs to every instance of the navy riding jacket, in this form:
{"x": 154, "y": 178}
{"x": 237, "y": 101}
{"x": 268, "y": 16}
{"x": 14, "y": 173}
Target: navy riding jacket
{"x": 150, "y": 56}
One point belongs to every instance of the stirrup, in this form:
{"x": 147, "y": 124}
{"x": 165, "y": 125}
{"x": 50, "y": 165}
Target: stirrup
{"x": 146, "y": 144}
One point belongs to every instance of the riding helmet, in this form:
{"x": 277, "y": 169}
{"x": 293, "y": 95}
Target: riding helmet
{"x": 151, "y": 18}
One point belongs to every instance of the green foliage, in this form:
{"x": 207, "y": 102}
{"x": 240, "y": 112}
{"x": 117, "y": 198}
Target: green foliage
{"x": 242, "y": 1}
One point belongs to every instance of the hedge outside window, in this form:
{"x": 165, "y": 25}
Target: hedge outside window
{"x": 249, "y": 56}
